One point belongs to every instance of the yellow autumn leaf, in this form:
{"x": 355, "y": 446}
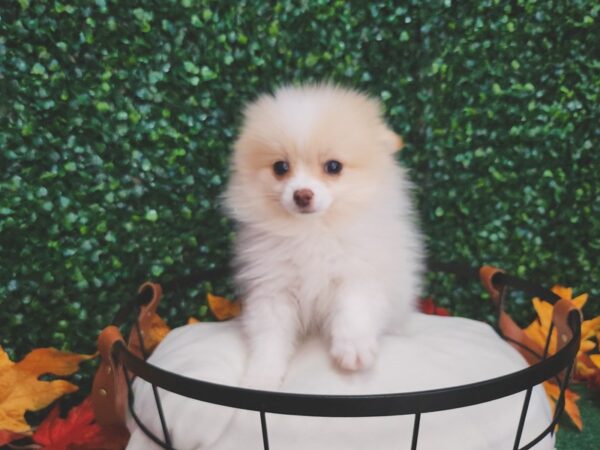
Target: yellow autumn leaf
{"x": 584, "y": 371}
{"x": 21, "y": 389}
{"x": 589, "y": 328}
{"x": 191, "y": 320}
{"x": 567, "y": 293}
{"x": 538, "y": 333}
{"x": 584, "y": 364}
{"x": 571, "y": 408}
{"x": 222, "y": 308}
{"x": 544, "y": 311}
{"x": 538, "y": 330}
{"x": 587, "y": 346}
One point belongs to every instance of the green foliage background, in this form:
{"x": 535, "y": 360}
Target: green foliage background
{"x": 117, "y": 118}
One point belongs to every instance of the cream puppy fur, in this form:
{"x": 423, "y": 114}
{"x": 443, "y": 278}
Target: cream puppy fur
{"x": 327, "y": 240}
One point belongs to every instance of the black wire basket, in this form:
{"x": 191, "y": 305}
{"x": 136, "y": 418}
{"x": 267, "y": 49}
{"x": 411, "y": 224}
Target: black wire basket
{"x": 125, "y": 362}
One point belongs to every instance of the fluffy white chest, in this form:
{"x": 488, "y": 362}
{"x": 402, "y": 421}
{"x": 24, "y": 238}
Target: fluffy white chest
{"x": 307, "y": 269}
{"x": 316, "y": 270}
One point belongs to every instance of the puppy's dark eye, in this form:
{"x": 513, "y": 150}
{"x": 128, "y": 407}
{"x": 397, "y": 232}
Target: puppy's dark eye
{"x": 333, "y": 167}
{"x": 281, "y": 168}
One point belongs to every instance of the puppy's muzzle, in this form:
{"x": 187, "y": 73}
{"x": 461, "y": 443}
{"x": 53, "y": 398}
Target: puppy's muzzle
{"x": 303, "y": 197}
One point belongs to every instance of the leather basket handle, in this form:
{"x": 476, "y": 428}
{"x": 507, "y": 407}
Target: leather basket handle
{"x": 109, "y": 390}
{"x": 507, "y": 325}
{"x": 144, "y": 318}
{"x": 486, "y": 274}
{"x": 560, "y": 317}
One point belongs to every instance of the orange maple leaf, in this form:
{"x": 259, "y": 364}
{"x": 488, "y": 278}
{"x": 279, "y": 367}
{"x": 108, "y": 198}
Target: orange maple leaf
{"x": 20, "y": 387}
{"x": 79, "y": 430}
{"x": 222, "y": 308}
{"x": 157, "y": 332}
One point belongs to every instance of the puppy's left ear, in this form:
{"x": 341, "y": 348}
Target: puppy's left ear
{"x": 391, "y": 141}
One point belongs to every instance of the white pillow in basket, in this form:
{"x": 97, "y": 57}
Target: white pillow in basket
{"x": 436, "y": 352}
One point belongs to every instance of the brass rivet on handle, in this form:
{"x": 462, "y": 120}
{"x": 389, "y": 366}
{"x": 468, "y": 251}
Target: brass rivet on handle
{"x": 103, "y": 392}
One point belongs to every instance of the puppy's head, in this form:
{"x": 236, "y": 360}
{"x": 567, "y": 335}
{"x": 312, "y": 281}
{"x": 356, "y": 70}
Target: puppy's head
{"x": 310, "y": 153}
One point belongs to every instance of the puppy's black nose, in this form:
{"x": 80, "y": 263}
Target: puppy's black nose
{"x": 302, "y": 197}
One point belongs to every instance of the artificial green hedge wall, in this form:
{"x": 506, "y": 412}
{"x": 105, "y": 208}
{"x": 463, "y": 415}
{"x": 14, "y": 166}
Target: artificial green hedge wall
{"x": 117, "y": 118}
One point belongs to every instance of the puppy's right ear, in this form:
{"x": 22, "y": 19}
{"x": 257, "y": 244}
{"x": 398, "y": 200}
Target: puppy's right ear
{"x": 393, "y": 142}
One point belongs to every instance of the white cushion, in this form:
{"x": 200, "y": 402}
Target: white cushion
{"x": 436, "y": 352}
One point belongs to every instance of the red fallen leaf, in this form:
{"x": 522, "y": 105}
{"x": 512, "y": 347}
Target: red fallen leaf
{"x": 111, "y": 438}
{"x": 427, "y": 306}
{"x": 78, "y": 431}
{"x": 7, "y": 437}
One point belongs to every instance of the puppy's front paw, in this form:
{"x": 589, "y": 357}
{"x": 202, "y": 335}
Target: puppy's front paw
{"x": 354, "y": 353}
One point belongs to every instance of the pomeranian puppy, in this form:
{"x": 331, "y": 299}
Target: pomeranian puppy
{"x": 327, "y": 240}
